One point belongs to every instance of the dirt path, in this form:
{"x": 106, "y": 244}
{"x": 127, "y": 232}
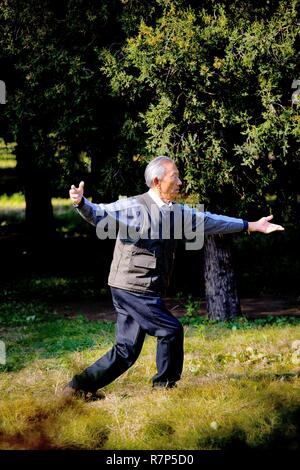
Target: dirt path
{"x": 251, "y": 308}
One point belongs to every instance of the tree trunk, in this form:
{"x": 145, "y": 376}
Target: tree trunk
{"x": 39, "y": 212}
{"x": 36, "y": 183}
{"x": 222, "y": 301}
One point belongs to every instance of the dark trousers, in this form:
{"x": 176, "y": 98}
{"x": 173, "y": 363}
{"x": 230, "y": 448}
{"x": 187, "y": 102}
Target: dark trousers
{"x": 137, "y": 314}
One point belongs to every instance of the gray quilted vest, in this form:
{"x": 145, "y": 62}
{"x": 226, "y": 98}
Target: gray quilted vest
{"x": 144, "y": 264}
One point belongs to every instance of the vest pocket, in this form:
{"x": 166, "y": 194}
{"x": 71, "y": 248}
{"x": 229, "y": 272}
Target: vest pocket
{"x": 142, "y": 268}
{"x": 144, "y": 261}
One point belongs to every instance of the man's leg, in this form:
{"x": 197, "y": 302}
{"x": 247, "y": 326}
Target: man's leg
{"x": 169, "y": 359}
{"x": 129, "y": 342}
{"x": 151, "y": 313}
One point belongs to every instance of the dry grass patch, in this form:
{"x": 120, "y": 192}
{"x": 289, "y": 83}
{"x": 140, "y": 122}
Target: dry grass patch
{"x": 240, "y": 388}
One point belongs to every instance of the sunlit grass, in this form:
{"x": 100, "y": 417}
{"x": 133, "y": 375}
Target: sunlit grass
{"x": 13, "y": 201}
{"x": 8, "y": 163}
{"x": 67, "y": 221}
{"x": 7, "y": 157}
{"x": 240, "y": 389}
{"x": 12, "y": 210}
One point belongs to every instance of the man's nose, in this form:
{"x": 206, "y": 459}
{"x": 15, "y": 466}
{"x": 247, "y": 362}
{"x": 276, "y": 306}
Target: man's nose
{"x": 179, "y": 182}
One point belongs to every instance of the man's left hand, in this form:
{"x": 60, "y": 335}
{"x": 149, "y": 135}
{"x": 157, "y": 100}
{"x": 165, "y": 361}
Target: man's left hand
{"x": 263, "y": 225}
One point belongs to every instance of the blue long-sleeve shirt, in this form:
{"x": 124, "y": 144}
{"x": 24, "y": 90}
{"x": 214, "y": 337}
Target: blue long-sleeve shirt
{"x": 128, "y": 217}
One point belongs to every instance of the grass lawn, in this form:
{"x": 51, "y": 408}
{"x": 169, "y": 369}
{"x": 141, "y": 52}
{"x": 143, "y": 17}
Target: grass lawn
{"x": 240, "y": 387}
{"x": 67, "y": 221}
{"x": 7, "y": 157}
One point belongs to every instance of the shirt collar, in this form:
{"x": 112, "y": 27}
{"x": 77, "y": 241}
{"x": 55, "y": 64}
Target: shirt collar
{"x": 157, "y": 199}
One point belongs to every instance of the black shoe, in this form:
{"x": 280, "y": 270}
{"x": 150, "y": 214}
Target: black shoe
{"x": 167, "y": 384}
{"x": 70, "y": 392}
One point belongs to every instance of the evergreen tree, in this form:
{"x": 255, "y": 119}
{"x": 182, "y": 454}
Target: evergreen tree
{"x": 210, "y": 86}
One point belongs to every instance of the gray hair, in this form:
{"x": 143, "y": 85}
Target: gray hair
{"x": 156, "y": 169}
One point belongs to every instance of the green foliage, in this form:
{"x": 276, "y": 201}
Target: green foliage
{"x": 58, "y": 110}
{"x": 100, "y": 88}
{"x": 46, "y": 289}
{"x": 240, "y": 323}
{"x": 211, "y": 87}
{"x": 191, "y": 306}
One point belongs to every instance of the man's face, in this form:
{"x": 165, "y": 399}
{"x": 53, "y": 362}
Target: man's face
{"x": 169, "y": 185}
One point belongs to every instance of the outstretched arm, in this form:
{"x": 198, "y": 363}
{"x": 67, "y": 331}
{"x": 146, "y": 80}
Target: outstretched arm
{"x": 86, "y": 209}
{"x": 220, "y": 224}
{"x": 264, "y": 226}
{"x": 76, "y": 194}
{"x": 126, "y": 213}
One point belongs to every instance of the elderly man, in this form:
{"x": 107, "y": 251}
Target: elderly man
{"x": 142, "y": 261}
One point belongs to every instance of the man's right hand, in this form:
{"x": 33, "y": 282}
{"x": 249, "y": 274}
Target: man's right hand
{"x": 76, "y": 194}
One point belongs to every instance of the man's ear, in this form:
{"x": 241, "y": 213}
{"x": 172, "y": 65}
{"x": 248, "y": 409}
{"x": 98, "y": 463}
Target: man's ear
{"x": 155, "y": 181}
